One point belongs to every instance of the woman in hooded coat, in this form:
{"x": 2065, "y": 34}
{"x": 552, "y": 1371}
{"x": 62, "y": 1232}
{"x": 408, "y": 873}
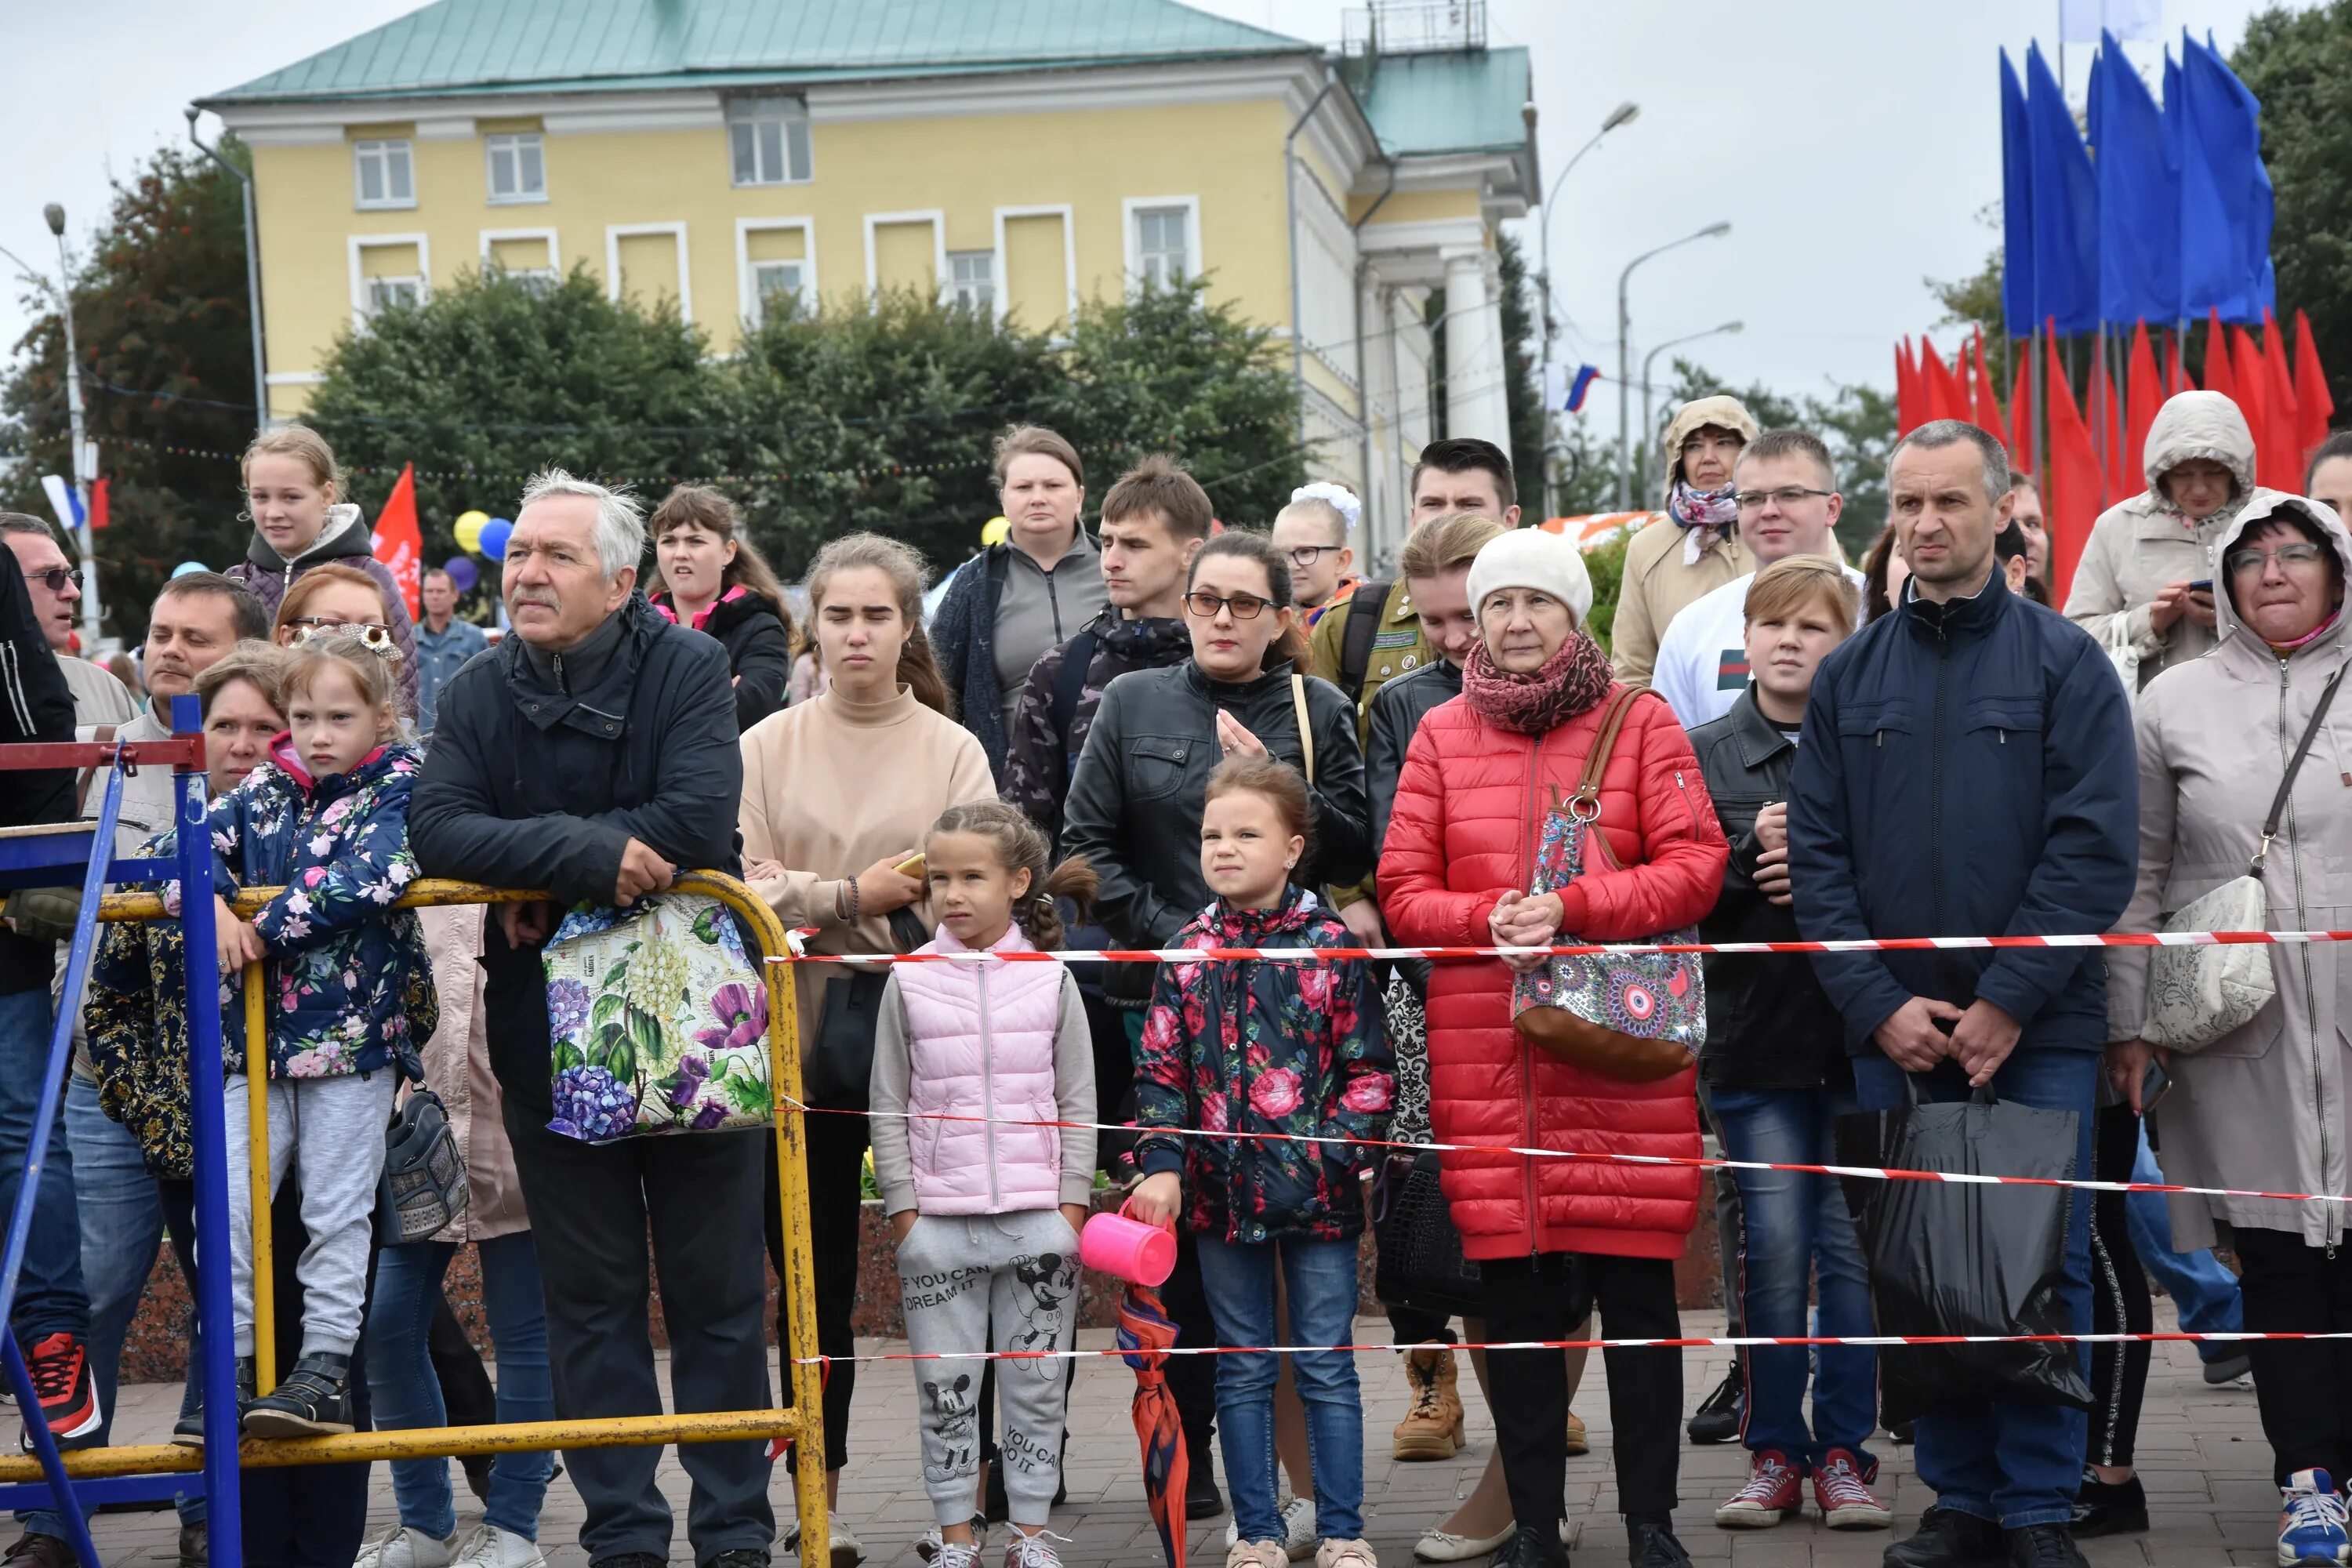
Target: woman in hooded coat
{"x": 2144, "y": 587}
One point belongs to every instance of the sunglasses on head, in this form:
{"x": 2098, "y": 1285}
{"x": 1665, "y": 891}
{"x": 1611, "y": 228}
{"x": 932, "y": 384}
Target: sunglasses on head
{"x": 378, "y": 638}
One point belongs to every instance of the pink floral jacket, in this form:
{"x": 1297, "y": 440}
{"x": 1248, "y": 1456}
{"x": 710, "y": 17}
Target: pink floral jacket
{"x": 1265, "y": 1046}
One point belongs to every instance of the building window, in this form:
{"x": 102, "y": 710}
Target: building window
{"x": 971, "y": 280}
{"x": 776, "y": 280}
{"x": 1163, "y": 246}
{"x": 768, "y": 139}
{"x": 517, "y": 167}
{"x": 383, "y": 173}
{"x": 386, "y": 293}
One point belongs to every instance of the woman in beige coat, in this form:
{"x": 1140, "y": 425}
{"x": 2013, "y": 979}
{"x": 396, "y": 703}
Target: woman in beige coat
{"x": 2264, "y": 1108}
{"x": 2144, "y": 587}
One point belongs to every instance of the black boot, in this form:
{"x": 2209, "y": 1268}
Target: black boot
{"x": 1651, "y": 1544}
{"x": 1948, "y": 1539}
{"x": 2101, "y": 1509}
{"x": 315, "y": 1399}
{"x": 188, "y": 1431}
{"x": 1201, "y": 1499}
{"x": 1717, "y": 1420}
{"x": 1531, "y": 1548}
{"x": 2045, "y": 1546}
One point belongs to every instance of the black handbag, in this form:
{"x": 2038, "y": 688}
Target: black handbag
{"x": 1418, "y": 1263}
{"x": 838, "y": 1071}
{"x": 423, "y": 1190}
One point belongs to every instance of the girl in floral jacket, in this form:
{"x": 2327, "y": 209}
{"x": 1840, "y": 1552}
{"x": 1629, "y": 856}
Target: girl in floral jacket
{"x": 351, "y": 996}
{"x": 1295, "y": 1054}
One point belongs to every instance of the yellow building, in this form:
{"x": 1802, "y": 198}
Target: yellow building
{"x": 1018, "y": 157}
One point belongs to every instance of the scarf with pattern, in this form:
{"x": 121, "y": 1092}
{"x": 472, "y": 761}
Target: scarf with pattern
{"x": 1572, "y": 680}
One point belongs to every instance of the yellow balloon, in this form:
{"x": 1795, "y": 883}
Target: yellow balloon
{"x": 468, "y": 529}
{"x": 995, "y": 531}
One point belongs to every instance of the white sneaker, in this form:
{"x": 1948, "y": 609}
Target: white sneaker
{"x": 1033, "y": 1551}
{"x": 954, "y": 1555}
{"x": 1298, "y": 1529}
{"x": 848, "y": 1552}
{"x": 401, "y": 1547}
{"x": 934, "y": 1541}
{"x": 490, "y": 1547}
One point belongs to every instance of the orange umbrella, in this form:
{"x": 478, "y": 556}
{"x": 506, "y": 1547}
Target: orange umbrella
{"x": 1145, "y": 1335}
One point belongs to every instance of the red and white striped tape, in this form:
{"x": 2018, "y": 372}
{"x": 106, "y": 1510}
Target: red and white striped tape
{"x": 799, "y": 954}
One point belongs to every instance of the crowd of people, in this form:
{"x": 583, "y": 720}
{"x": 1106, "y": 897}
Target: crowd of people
{"x": 1160, "y": 733}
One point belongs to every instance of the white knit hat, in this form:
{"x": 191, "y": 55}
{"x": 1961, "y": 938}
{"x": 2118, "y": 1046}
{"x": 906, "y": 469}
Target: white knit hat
{"x": 1532, "y": 558}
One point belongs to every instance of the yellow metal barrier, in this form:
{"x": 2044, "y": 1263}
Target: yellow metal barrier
{"x": 803, "y": 1424}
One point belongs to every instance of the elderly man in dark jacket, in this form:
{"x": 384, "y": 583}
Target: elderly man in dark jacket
{"x": 1968, "y": 770}
{"x": 594, "y": 756}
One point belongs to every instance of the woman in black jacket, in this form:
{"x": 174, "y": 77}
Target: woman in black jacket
{"x": 708, "y": 575}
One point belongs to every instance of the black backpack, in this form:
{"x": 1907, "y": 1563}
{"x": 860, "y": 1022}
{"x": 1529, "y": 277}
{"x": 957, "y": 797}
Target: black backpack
{"x": 1356, "y": 639}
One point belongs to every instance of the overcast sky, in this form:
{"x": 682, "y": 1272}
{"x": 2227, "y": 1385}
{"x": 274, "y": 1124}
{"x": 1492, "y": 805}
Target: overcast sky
{"x": 1852, "y": 144}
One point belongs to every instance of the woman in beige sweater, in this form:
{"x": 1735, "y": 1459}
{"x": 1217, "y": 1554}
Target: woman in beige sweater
{"x": 837, "y": 793}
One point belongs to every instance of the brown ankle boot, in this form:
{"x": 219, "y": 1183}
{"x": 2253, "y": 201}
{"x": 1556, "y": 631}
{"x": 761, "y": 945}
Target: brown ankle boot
{"x": 1431, "y": 1429}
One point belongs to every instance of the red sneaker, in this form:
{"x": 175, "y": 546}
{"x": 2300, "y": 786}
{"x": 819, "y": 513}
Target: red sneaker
{"x": 1774, "y": 1488}
{"x": 1845, "y": 1499}
{"x": 68, "y": 1393}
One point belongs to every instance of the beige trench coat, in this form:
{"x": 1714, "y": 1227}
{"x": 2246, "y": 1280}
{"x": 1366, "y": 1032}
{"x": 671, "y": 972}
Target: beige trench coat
{"x": 458, "y": 1069}
{"x": 2265, "y": 1107}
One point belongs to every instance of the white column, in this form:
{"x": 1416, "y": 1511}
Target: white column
{"x": 1475, "y": 404}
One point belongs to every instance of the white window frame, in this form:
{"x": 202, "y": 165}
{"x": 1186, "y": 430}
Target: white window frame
{"x": 361, "y": 282}
{"x": 1131, "y": 215}
{"x": 956, "y": 289}
{"x": 551, "y": 275}
{"x": 789, "y": 114}
{"x": 747, "y": 296}
{"x": 616, "y": 232}
{"x": 512, "y": 141}
{"x": 937, "y": 219}
{"x": 1069, "y": 254}
{"x": 381, "y": 149}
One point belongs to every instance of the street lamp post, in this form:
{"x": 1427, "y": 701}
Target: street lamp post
{"x": 1649, "y": 385}
{"x": 252, "y": 274}
{"x": 55, "y": 217}
{"x": 1626, "y": 356}
{"x": 1623, "y": 114}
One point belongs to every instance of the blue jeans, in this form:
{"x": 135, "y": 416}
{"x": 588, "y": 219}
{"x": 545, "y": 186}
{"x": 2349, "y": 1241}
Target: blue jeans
{"x": 1320, "y": 1280}
{"x": 407, "y": 1394}
{"x": 2201, "y": 1288}
{"x": 1796, "y": 1223}
{"x": 2000, "y": 1460}
{"x": 123, "y": 1224}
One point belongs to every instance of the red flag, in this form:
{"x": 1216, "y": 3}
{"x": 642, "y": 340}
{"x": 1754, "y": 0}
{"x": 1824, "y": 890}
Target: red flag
{"x": 98, "y": 506}
{"x": 2250, "y": 380}
{"x": 2144, "y": 391}
{"x": 1907, "y": 389}
{"x": 399, "y": 543}
{"x": 2021, "y": 412}
{"x": 1946, "y": 399}
{"x": 2278, "y": 440}
{"x": 2217, "y": 376}
{"x": 2314, "y": 405}
{"x": 2069, "y": 486}
{"x": 1988, "y": 417}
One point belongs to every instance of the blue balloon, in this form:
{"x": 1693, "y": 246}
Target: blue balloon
{"x": 185, "y": 567}
{"x": 463, "y": 573}
{"x": 495, "y": 534}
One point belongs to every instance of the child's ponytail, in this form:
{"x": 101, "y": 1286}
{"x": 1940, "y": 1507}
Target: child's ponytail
{"x": 1040, "y": 916}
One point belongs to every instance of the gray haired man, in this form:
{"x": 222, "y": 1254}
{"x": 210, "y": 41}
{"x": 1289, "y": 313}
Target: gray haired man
{"x": 594, "y": 755}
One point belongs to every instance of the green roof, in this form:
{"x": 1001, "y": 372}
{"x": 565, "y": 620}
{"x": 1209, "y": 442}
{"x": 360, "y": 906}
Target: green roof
{"x": 1455, "y": 101}
{"x": 453, "y": 47}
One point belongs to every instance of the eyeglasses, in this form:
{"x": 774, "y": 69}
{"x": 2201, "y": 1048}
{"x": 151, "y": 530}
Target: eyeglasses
{"x": 56, "y": 579}
{"x": 1244, "y": 607}
{"x": 1303, "y": 556}
{"x": 2246, "y": 563}
{"x": 1786, "y": 497}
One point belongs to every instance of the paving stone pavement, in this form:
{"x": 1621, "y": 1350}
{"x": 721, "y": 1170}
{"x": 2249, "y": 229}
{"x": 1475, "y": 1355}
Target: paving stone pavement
{"x": 2200, "y": 1453}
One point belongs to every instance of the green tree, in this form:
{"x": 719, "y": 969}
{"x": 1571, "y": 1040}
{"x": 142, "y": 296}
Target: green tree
{"x": 2298, "y": 63}
{"x": 162, "y": 324}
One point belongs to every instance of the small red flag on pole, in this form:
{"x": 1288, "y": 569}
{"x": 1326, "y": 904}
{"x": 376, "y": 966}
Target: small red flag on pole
{"x": 399, "y": 543}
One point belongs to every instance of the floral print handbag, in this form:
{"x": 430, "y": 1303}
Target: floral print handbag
{"x": 657, "y": 1021}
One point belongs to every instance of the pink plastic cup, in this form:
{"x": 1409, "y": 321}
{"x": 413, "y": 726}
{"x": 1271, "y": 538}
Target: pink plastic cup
{"x": 1136, "y": 1252}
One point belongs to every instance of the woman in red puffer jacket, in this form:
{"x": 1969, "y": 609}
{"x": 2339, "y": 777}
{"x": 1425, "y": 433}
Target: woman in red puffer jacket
{"x": 1483, "y": 772}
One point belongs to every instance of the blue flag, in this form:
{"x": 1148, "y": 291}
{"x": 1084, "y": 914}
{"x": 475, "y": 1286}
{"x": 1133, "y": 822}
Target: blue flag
{"x": 2065, "y": 202}
{"x": 2226, "y": 202}
{"x": 2016, "y": 209}
{"x": 2139, "y": 197}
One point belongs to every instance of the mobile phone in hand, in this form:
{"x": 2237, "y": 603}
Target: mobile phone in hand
{"x": 2202, "y": 585}
{"x": 2154, "y": 1084}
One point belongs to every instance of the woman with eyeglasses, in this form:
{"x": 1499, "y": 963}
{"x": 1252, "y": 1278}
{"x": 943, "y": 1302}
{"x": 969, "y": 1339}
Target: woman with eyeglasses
{"x": 1134, "y": 811}
{"x": 340, "y": 598}
{"x": 2144, "y": 587}
{"x": 2264, "y": 1108}
{"x": 294, "y": 499}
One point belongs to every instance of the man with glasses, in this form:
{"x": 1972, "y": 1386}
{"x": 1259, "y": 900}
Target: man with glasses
{"x": 99, "y": 698}
{"x": 1786, "y": 492}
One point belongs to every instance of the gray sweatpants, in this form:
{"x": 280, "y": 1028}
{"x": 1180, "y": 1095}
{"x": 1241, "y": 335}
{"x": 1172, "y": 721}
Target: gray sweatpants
{"x": 958, "y": 1273}
{"x": 333, "y": 1129}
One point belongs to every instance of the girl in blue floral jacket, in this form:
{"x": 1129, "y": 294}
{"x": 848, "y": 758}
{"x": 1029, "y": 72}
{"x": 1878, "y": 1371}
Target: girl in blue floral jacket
{"x": 350, "y": 997}
{"x": 1298, "y": 1051}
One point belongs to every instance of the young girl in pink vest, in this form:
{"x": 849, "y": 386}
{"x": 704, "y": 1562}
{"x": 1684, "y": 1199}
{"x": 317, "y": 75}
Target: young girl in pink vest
{"x": 975, "y": 1063}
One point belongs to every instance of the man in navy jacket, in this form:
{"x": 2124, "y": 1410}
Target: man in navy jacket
{"x": 1973, "y": 776}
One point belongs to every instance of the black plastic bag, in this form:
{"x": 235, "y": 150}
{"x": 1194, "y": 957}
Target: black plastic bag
{"x": 1966, "y": 1257}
